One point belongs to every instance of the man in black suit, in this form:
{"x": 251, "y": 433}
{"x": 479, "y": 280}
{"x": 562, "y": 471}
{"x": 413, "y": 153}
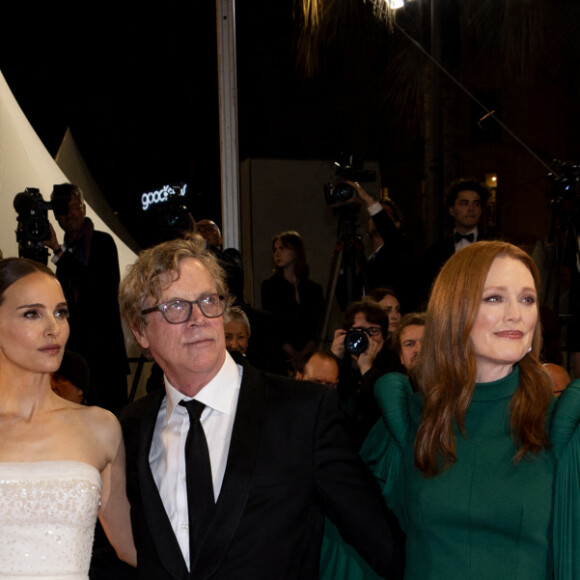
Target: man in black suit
{"x": 280, "y": 459}
{"x": 87, "y": 266}
{"x": 388, "y": 262}
{"x": 465, "y": 202}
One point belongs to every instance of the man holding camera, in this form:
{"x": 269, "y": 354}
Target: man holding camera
{"x": 87, "y": 266}
{"x": 364, "y": 356}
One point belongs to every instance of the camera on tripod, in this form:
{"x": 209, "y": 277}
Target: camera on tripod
{"x": 350, "y": 168}
{"x": 566, "y": 185}
{"x": 33, "y": 225}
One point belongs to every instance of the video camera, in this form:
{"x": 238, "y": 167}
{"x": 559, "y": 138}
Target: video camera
{"x": 566, "y": 184}
{"x": 350, "y": 168}
{"x": 33, "y": 225}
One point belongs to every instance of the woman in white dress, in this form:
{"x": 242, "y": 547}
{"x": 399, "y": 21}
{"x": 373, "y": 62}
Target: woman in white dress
{"x": 61, "y": 464}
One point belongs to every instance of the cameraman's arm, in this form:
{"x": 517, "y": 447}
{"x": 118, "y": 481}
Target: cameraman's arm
{"x": 385, "y": 225}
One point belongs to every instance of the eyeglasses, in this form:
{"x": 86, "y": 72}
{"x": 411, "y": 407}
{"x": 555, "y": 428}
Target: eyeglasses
{"x": 179, "y": 311}
{"x": 372, "y": 331}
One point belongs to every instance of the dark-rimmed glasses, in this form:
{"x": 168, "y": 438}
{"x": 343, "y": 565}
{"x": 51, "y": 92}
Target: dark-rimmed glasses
{"x": 179, "y": 311}
{"x": 372, "y": 331}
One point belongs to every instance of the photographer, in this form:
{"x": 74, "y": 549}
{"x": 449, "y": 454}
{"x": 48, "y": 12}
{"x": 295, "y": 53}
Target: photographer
{"x": 364, "y": 356}
{"x": 389, "y": 261}
{"x": 87, "y": 266}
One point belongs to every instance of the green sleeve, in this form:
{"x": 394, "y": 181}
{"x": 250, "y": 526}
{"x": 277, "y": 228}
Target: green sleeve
{"x": 382, "y": 450}
{"x": 565, "y": 437}
{"x": 382, "y": 453}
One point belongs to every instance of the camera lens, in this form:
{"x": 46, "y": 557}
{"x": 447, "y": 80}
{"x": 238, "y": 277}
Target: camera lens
{"x": 356, "y": 341}
{"x": 339, "y": 193}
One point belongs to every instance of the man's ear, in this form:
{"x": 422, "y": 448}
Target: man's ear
{"x": 140, "y": 337}
{"x": 298, "y": 376}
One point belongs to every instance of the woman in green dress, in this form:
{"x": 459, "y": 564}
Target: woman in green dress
{"x": 479, "y": 467}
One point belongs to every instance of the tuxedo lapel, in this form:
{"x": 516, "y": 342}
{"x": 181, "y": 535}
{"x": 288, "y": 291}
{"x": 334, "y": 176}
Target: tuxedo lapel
{"x": 157, "y": 520}
{"x": 238, "y": 475}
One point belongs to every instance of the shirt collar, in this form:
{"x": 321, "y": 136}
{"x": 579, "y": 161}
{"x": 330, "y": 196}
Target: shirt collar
{"x": 474, "y": 231}
{"x": 219, "y": 394}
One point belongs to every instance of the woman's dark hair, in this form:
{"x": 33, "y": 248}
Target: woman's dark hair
{"x": 13, "y": 269}
{"x": 379, "y": 293}
{"x": 293, "y": 241}
{"x": 372, "y": 311}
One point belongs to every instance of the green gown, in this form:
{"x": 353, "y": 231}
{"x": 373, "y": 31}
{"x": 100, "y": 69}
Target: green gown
{"x": 484, "y": 517}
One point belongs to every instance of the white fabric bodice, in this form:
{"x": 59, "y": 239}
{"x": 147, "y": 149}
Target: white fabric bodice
{"x": 48, "y": 511}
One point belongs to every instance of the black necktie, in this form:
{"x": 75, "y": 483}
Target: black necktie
{"x": 200, "y": 498}
{"x": 469, "y": 237}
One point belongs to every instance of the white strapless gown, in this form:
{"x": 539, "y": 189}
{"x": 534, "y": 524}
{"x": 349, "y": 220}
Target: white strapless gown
{"x": 48, "y": 511}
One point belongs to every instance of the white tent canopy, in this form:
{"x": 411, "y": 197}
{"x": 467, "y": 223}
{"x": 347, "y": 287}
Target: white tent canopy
{"x": 25, "y": 162}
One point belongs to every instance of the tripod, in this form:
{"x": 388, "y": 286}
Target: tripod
{"x": 565, "y": 252}
{"x": 348, "y": 260}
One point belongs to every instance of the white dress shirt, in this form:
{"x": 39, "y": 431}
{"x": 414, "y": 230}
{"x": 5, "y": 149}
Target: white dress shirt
{"x": 167, "y": 453}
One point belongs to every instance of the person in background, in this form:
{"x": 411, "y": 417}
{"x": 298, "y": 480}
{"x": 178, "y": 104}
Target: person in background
{"x": 551, "y": 353}
{"x": 71, "y": 380}
{"x": 389, "y": 302}
{"x": 389, "y": 261}
{"x": 87, "y": 266}
{"x": 360, "y": 370}
{"x": 295, "y": 302}
{"x": 320, "y": 367}
{"x": 209, "y": 231}
{"x": 237, "y": 329}
{"x": 408, "y": 338}
{"x": 466, "y": 199}
{"x": 230, "y": 258}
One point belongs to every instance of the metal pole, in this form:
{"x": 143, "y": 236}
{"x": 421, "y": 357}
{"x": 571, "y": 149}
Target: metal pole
{"x": 227, "y": 79}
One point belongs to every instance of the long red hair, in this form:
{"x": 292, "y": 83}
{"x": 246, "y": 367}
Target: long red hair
{"x": 447, "y": 370}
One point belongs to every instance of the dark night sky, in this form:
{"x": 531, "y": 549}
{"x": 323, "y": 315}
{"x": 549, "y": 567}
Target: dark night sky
{"x": 139, "y": 93}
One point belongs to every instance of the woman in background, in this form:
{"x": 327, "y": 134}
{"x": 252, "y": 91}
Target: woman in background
{"x": 296, "y": 302}
{"x": 389, "y": 302}
{"x": 61, "y": 463}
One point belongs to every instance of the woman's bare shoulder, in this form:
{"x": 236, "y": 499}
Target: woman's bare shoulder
{"x": 99, "y": 424}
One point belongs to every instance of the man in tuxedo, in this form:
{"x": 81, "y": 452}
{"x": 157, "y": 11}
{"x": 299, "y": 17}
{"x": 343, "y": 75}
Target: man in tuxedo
{"x": 465, "y": 201}
{"x": 241, "y": 490}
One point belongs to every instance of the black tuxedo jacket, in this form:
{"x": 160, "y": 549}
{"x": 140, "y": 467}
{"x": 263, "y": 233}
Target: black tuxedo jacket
{"x": 290, "y": 464}
{"x": 434, "y": 259}
{"x": 388, "y": 267}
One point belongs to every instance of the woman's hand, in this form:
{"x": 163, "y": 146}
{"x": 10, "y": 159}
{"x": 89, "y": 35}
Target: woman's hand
{"x": 366, "y": 359}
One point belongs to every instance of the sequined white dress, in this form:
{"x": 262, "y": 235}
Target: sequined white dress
{"x": 48, "y": 511}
